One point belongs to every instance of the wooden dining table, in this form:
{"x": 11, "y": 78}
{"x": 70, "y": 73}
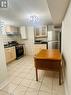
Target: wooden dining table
{"x": 48, "y": 59}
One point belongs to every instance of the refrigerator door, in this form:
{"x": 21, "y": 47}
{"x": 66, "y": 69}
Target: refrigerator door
{"x": 49, "y": 39}
{"x": 53, "y": 45}
{"x": 53, "y": 40}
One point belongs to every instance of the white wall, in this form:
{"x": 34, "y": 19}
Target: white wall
{"x": 7, "y": 38}
{"x": 3, "y": 69}
{"x": 66, "y": 49}
{"x": 29, "y": 43}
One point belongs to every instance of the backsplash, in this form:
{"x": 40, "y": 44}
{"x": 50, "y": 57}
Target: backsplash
{"x": 7, "y": 39}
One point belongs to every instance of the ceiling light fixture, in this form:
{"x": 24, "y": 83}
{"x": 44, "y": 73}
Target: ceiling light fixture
{"x": 34, "y": 19}
{"x": 3, "y": 3}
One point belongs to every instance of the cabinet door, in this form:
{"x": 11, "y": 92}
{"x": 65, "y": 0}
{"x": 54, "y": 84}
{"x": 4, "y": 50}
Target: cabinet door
{"x": 8, "y": 29}
{"x": 13, "y": 53}
{"x": 11, "y": 29}
{"x": 36, "y": 32}
{"x": 14, "y": 28}
{"x": 41, "y": 32}
{"x": 23, "y": 32}
{"x": 39, "y": 47}
{"x": 10, "y": 54}
{"x": 44, "y": 31}
{"x": 7, "y": 55}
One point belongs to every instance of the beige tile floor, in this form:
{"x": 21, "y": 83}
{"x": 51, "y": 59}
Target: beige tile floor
{"x": 21, "y": 80}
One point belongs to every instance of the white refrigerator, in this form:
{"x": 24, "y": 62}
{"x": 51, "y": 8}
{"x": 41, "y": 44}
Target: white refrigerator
{"x": 53, "y": 39}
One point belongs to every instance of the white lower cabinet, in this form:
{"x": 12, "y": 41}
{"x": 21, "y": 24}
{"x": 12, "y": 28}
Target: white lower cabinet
{"x": 39, "y": 47}
{"x": 10, "y": 54}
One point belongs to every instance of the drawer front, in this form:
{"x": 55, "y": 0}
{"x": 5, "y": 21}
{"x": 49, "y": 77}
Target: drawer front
{"x": 47, "y": 64}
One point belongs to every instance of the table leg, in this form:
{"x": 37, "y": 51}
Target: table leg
{"x": 36, "y": 75}
{"x": 60, "y": 71}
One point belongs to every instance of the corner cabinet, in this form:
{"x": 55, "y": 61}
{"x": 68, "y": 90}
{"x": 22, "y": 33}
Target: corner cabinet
{"x": 23, "y": 32}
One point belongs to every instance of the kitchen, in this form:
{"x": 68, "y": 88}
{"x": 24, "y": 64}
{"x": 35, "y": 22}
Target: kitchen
{"x": 21, "y": 71}
{"x": 25, "y": 29}
{"x": 21, "y": 41}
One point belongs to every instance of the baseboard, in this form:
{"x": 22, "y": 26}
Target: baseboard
{"x": 64, "y": 75}
{"x": 66, "y": 88}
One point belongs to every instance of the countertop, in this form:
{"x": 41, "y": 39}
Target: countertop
{"x": 46, "y": 42}
{"x": 7, "y": 45}
{"x": 40, "y": 42}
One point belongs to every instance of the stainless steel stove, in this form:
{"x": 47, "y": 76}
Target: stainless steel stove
{"x": 19, "y": 51}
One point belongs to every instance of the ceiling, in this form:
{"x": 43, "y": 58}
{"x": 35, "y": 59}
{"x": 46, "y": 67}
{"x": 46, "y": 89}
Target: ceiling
{"x": 58, "y": 9}
{"x": 18, "y": 11}
{"x": 47, "y": 11}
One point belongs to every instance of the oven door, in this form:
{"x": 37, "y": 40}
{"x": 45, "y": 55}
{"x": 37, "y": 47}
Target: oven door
{"x": 19, "y": 51}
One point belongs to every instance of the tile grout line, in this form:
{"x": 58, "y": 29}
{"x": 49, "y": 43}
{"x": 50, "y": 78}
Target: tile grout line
{"x": 27, "y": 87}
{"x": 40, "y": 86}
{"x": 52, "y": 87}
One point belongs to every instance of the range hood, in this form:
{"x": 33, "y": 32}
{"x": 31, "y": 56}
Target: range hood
{"x": 12, "y": 33}
{"x": 12, "y": 30}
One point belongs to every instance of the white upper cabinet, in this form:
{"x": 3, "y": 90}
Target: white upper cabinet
{"x": 41, "y": 32}
{"x": 23, "y": 32}
{"x": 11, "y": 29}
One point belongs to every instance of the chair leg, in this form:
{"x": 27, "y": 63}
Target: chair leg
{"x": 36, "y": 75}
